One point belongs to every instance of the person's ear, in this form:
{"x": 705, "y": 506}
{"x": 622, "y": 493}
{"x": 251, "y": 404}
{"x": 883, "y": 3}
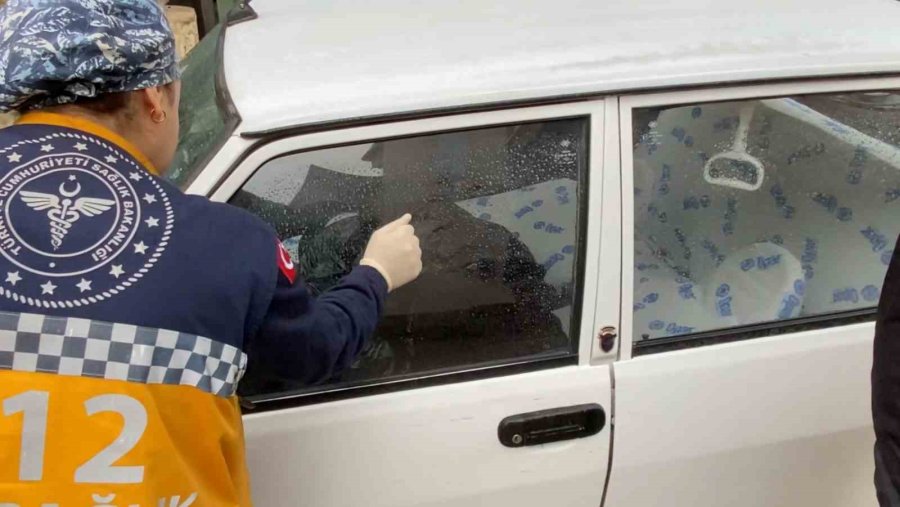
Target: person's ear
{"x": 155, "y": 104}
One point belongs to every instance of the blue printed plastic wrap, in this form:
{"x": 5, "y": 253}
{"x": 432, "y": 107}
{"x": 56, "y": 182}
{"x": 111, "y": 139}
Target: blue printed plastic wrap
{"x": 815, "y": 238}
{"x": 543, "y": 216}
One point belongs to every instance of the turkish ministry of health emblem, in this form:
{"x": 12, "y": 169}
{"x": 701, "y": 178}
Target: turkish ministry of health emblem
{"x": 80, "y": 222}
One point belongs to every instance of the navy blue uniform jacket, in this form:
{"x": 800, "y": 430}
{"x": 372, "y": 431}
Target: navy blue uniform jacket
{"x": 88, "y": 232}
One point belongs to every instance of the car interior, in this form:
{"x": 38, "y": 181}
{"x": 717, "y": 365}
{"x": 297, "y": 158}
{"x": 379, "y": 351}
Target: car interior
{"x": 756, "y": 236}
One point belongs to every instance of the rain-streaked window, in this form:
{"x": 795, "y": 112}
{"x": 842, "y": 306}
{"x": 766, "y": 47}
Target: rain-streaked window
{"x": 763, "y": 210}
{"x": 497, "y": 211}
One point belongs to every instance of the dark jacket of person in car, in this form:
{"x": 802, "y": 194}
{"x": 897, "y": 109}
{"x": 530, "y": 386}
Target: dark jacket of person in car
{"x": 886, "y": 389}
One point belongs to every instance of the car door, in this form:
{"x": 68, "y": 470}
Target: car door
{"x": 511, "y": 208}
{"x": 759, "y": 222}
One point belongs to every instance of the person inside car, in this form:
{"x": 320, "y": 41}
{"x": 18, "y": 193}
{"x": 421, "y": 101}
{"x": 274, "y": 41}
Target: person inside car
{"x": 886, "y": 388}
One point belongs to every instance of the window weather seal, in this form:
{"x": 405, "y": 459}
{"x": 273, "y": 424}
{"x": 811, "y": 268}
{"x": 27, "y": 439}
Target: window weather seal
{"x": 774, "y": 328}
{"x": 267, "y": 403}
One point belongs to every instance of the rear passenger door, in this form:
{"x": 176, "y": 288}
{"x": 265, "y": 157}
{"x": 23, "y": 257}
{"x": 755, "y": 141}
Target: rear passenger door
{"x": 759, "y": 223}
{"x": 510, "y": 209}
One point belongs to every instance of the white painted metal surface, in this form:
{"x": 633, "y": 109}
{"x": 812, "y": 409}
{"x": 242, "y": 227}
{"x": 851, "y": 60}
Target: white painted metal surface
{"x": 599, "y": 269}
{"x": 608, "y": 184}
{"x": 225, "y": 158}
{"x": 305, "y": 62}
{"x": 770, "y": 421}
{"x": 431, "y": 447}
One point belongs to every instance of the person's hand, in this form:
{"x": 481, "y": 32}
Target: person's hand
{"x": 394, "y": 251}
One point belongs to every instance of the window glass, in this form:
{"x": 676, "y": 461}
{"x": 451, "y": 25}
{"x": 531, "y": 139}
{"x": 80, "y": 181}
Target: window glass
{"x": 203, "y": 125}
{"x": 497, "y": 212}
{"x": 763, "y": 210}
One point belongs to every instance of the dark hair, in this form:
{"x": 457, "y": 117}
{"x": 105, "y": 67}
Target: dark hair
{"x": 108, "y": 103}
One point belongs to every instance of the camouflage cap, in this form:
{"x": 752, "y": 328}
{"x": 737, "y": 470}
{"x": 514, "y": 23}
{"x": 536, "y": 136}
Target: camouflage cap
{"x": 54, "y": 51}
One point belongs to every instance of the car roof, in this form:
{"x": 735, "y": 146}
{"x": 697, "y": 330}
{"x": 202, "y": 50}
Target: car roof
{"x": 304, "y": 62}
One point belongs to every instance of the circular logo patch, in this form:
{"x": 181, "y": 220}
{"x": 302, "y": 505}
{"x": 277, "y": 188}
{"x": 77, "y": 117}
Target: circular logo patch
{"x": 79, "y": 221}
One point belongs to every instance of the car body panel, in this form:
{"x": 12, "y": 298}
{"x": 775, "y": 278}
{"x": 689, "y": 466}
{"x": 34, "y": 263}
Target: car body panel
{"x": 777, "y": 420}
{"x": 783, "y": 420}
{"x": 334, "y": 61}
{"x": 435, "y": 446}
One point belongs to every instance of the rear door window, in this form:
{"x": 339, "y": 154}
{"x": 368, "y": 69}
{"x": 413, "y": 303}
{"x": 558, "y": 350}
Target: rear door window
{"x": 761, "y": 211}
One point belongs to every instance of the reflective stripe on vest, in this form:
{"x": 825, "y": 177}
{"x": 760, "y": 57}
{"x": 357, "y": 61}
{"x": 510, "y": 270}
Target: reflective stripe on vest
{"x": 31, "y": 342}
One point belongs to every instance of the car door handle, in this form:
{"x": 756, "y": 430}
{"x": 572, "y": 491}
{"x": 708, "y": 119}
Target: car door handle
{"x": 545, "y": 426}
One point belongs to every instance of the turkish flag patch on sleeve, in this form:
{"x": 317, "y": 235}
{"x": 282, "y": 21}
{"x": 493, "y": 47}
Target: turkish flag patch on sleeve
{"x": 286, "y": 264}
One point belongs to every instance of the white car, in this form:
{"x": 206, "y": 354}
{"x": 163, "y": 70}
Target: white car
{"x": 654, "y": 235}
